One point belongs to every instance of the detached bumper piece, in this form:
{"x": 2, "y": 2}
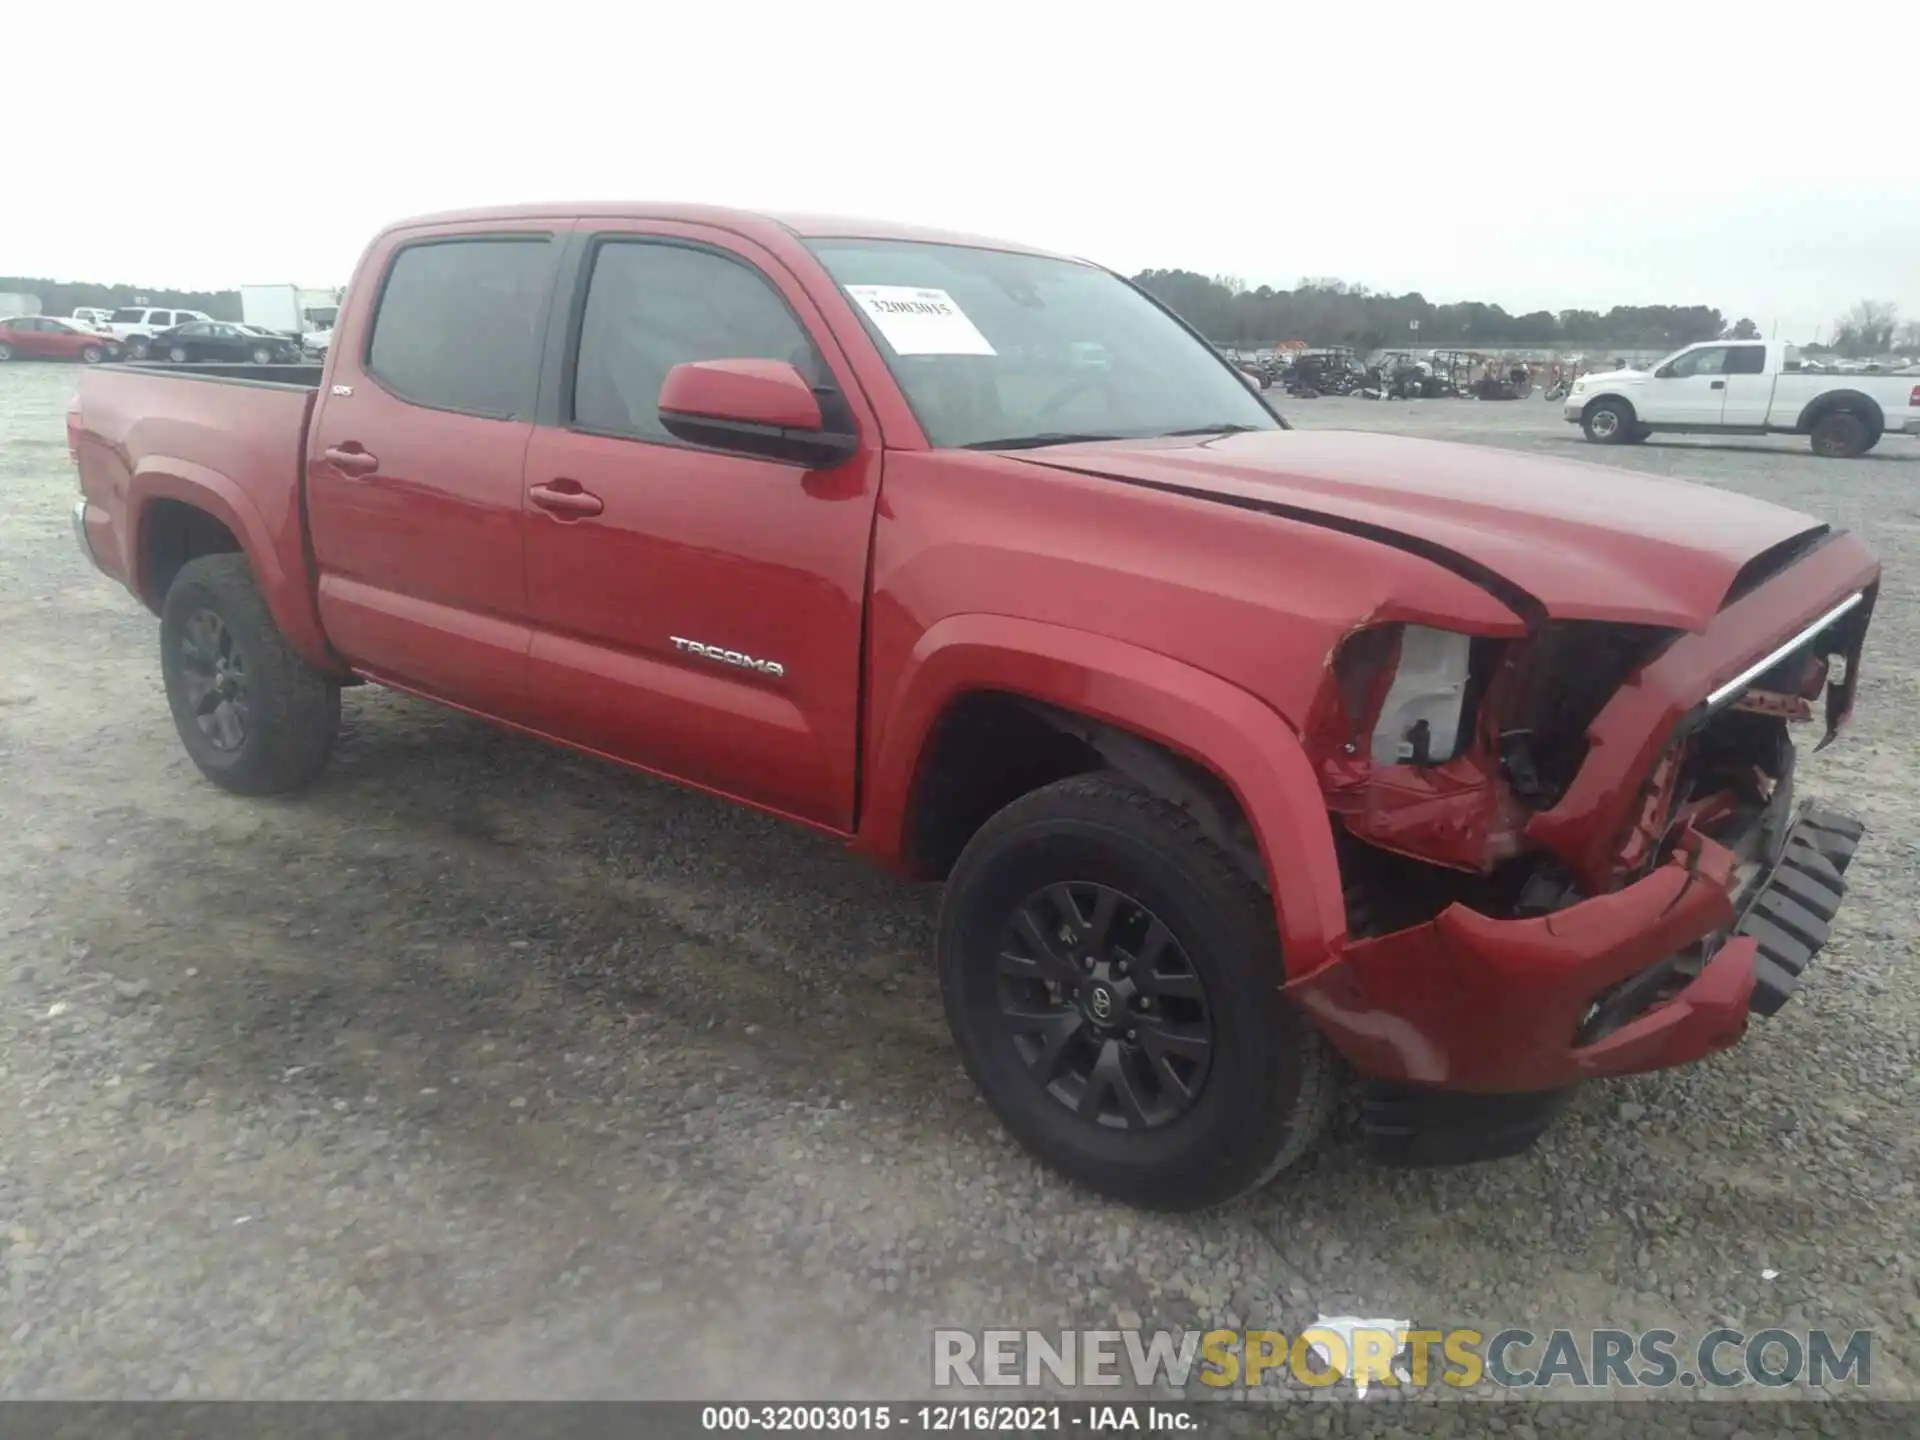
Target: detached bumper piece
{"x": 1411, "y": 1125}
{"x": 1791, "y": 914}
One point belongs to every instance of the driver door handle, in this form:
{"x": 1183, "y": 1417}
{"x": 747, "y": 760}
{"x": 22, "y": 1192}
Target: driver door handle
{"x": 565, "y": 499}
{"x": 1718, "y": 385}
{"x": 350, "y": 458}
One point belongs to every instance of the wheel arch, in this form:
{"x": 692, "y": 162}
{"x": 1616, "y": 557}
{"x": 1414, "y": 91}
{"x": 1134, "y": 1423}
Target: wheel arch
{"x": 1856, "y": 402}
{"x": 1633, "y": 413}
{"x": 1207, "y": 745}
{"x": 180, "y": 510}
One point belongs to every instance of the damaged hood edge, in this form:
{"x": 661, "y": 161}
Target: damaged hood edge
{"x": 1550, "y": 538}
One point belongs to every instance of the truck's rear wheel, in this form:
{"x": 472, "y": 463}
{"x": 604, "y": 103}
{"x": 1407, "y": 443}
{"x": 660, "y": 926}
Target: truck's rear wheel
{"x": 1113, "y": 983}
{"x": 254, "y": 716}
{"x": 1608, "y": 422}
{"x": 1841, "y": 435}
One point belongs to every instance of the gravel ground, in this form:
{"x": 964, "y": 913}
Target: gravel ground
{"x": 484, "y": 1070}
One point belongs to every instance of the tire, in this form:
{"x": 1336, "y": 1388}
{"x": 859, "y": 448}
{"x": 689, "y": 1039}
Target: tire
{"x": 92, "y": 355}
{"x": 263, "y": 356}
{"x": 177, "y": 354}
{"x": 139, "y": 346}
{"x": 1608, "y": 422}
{"x": 1261, "y": 1093}
{"x": 6, "y": 352}
{"x": 271, "y": 728}
{"x": 1841, "y": 435}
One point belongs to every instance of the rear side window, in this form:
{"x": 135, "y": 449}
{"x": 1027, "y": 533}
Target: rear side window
{"x": 652, "y": 306}
{"x": 1747, "y": 360}
{"x": 127, "y": 317}
{"x": 457, "y": 326}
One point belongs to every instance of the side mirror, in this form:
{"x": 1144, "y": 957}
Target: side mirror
{"x": 1665, "y": 372}
{"x": 763, "y": 408}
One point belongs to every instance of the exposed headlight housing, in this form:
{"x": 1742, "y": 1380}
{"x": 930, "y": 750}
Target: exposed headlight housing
{"x": 1423, "y": 719}
{"x": 1407, "y": 688}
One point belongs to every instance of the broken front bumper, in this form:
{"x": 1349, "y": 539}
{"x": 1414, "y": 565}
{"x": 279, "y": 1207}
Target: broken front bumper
{"x": 1656, "y": 974}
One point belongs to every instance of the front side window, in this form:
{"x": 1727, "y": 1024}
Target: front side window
{"x": 652, "y": 306}
{"x": 992, "y": 347}
{"x": 1710, "y": 361}
{"x": 457, "y": 326}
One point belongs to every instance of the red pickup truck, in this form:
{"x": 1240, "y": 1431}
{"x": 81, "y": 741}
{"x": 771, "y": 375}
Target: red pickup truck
{"x": 1250, "y": 757}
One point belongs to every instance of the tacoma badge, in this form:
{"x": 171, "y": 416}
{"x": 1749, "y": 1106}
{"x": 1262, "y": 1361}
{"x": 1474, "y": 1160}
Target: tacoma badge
{"x": 772, "y": 668}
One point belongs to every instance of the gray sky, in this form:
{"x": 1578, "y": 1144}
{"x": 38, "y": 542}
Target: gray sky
{"x": 1549, "y": 156}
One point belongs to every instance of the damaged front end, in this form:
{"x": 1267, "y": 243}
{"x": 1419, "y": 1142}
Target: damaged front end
{"x": 1575, "y": 853}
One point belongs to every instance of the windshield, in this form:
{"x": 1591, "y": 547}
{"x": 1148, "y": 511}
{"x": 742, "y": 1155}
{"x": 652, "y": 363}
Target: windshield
{"x": 993, "y": 348}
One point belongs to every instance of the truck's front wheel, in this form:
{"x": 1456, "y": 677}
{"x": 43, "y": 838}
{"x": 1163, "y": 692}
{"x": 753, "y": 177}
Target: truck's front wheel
{"x": 1113, "y": 983}
{"x": 1609, "y": 422}
{"x": 255, "y": 717}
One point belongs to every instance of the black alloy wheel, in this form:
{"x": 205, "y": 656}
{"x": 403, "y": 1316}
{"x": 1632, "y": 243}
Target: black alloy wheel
{"x": 1104, "y": 1006}
{"x": 1113, "y": 980}
{"x": 213, "y": 676}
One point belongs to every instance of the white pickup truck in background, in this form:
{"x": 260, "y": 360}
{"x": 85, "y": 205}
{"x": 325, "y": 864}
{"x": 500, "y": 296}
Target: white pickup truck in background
{"x": 1752, "y": 387}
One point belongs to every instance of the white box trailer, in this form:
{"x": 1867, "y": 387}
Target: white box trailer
{"x": 272, "y": 307}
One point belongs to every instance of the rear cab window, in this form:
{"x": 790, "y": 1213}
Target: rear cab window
{"x": 457, "y": 324}
{"x": 1747, "y": 360}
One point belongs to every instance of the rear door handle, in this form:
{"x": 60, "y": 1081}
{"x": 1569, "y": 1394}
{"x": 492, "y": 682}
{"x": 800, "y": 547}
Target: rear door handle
{"x": 351, "y": 458}
{"x": 565, "y": 499}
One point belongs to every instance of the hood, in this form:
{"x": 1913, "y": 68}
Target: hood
{"x": 1611, "y": 377}
{"x": 1581, "y": 541}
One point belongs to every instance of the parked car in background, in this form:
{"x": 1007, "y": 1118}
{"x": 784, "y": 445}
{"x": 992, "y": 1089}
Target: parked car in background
{"x": 93, "y": 317}
{"x": 48, "y": 337}
{"x": 317, "y": 341}
{"x": 223, "y": 340}
{"x": 135, "y": 325}
{"x": 1757, "y": 387}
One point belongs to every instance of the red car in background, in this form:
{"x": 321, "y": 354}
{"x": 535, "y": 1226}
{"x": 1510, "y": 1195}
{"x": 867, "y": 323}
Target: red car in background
{"x": 48, "y": 337}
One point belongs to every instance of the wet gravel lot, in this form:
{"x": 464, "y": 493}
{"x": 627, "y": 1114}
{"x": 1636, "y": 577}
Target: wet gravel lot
{"x": 486, "y": 1070}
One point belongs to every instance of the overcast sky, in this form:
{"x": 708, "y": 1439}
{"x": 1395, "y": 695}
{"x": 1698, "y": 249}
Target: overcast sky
{"x": 1548, "y": 156}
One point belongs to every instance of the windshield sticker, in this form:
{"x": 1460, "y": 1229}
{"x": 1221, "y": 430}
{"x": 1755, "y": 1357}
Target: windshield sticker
{"x": 920, "y": 322}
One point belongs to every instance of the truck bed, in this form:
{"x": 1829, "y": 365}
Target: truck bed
{"x": 1893, "y": 391}
{"x": 304, "y": 375}
{"x": 150, "y": 439}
